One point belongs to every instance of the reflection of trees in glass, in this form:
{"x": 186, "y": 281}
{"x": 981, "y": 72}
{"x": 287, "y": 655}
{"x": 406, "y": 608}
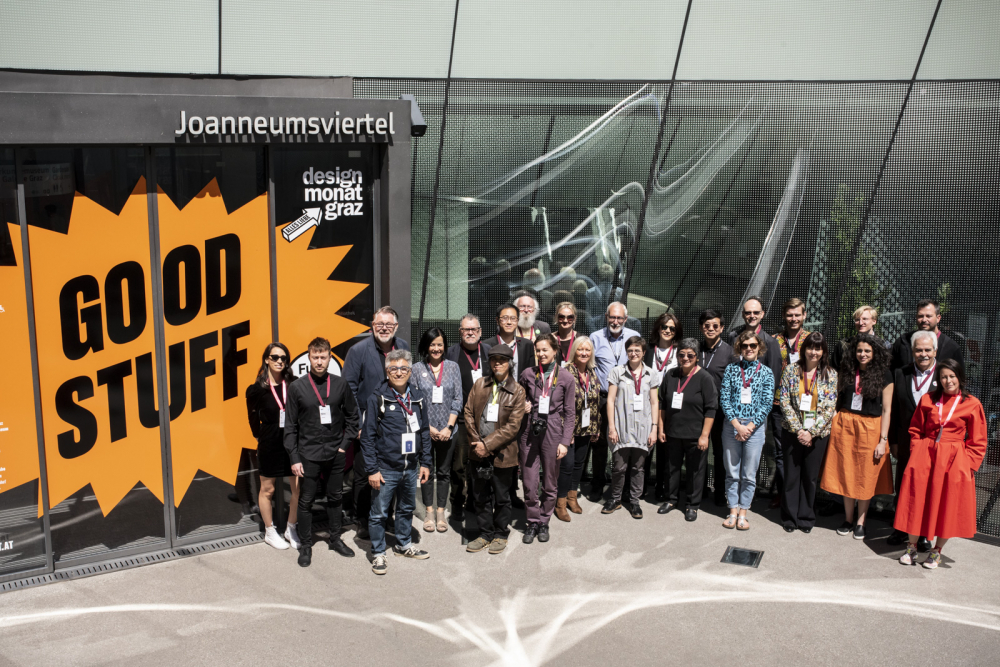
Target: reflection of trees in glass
{"x": 943, "y": 293}
{"x": 856, "y": 276}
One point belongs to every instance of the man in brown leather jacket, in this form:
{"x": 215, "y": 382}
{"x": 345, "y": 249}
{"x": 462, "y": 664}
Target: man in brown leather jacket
{"x": 493, "y": 415}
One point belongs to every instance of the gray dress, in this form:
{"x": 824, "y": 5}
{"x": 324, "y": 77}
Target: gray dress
{"x": 633, "y": 426}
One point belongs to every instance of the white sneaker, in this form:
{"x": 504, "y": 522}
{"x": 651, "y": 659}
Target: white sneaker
{"x": 271, "y": 537}
{"x": 909, "y": 556}
{"x": 292, "y": 535}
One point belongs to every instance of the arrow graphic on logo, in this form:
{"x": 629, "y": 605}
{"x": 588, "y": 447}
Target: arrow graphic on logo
{"x": 309, "y": 218}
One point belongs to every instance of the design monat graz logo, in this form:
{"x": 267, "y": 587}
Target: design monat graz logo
{"x": 340, "y": 192}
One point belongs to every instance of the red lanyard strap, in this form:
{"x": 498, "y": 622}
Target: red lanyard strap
{"x": 857, "y": 382}
{"x": 638, "y": 381}
{"x": 795, "y": 342}
{"x": 439, "y": 375}
{"x": 807, "y": 389}
{"x": 930, "y": 374}
{"x": 479, "y": 358}
{"x": 284, "y": 395}
{"x": 940, "y": 407}
{"x": 743, "y": 377}
{"x": 546, "y": 386}
{"x": 656, "y": 357}
{"x": 569, "y": 350}
{"x": 316, "y": 391}
{"x": 408, "y": 405}
{"x": 585, "y": 381}
{"x": 680, "y": 389}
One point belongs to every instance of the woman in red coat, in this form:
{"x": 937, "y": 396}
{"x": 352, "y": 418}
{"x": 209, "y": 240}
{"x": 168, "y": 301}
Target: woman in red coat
{"x": 938, "y": 493}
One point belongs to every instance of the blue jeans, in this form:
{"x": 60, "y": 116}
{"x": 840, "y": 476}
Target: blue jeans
{"x": 402, "y": 484}
{"x": 741, "y": 460}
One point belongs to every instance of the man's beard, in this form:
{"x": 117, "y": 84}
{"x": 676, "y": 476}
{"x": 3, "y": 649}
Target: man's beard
{"x": 526, "y": 321}
{"x": 383, "y": 337}
{"x": 616, "y": 328}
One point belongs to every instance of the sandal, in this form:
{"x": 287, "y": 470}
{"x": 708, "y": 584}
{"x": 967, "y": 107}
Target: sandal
{"x": 442, "y": 524}
{"x": 742, "y": 523}
{"x": 429, "y": 520}
{"x": 730, "y": 521}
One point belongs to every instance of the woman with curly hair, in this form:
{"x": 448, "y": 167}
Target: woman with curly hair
{"x": 856, "y": 466}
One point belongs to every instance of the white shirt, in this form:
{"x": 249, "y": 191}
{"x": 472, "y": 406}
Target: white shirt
{"x": 919, "y": 377}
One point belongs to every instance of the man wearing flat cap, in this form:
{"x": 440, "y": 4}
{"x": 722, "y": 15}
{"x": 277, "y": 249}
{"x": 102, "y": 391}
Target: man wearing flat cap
{"x": 493, "y": 414}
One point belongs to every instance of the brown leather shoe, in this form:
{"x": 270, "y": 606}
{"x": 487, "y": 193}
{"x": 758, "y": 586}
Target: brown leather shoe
{"x": 561, "y": 512}
{"x": 571, "y": 504}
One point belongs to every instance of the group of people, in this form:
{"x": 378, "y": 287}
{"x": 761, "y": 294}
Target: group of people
{"x": 468, "y": 422}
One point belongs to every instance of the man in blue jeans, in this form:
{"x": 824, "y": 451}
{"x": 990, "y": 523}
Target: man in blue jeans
{"x": 394, "y": 442}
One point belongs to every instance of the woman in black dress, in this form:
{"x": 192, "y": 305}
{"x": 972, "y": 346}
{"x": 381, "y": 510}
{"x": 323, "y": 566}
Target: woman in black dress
{"x": 266, "y": 400}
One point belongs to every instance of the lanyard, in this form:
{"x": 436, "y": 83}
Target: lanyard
{"x": 638, "y": 380}
{"x": 496, "y": 394}
{"x": 656, "y": 357}
{"x": 316, "y": 391}
{"x": 940, "y": 407}
{"x": 585, "y": 382}
{"x": 680, "y": 390}
{"x": 795, "y": 342}
{"x": 440, "y": 374}
{"x": 612, "y": 345}
{"x": 743, "y": 377}
{"x": 479, "y": 358}
{"x": 284, "y": 394}
{"x": 546, "y": 386}
{"x": 708, "y": 363}
{"x": 806, "y": 389}
{"x": 857, "y": 382}
{"x": 570, "y": 349}
{"x": 930, "y": 374}
{"x": 408, "y": 405}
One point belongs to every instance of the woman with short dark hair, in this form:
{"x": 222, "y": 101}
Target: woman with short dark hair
{"x": 947, "y": 446}
{"x": 441, "y": 381}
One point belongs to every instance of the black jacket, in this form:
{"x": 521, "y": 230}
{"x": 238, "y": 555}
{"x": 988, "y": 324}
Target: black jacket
{"x": 902, "y": 351}
{"x": 264, "y": 416}
{"x": 364, "y": 368}
{"x": 715, "y": 362}
{"x": 305, "y": 437}
{"x": 903, "y": 405}
{"x": 454, "y": 353}
{"x": 385, "y": 424}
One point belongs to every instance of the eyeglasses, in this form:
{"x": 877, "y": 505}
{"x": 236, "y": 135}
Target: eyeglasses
{"x": 470, "y": 329}
{"x": 566, "y": 318}
{"x": 689, "y": 355}
{"x": 748, "y": 346}
{"x": 634, "y": 351}
{"x": 753, "y": 312}
{"x": 711, "y": 326}
{"x": 399, "y": 370}
{"x": 381, "y": 326}
{"x": 613, "y": 318}
{"x": 529, "y": 308}
{"x": 507, "y": 319}
{"x": 668, "y": 327}
{"x": 277, "y": 357}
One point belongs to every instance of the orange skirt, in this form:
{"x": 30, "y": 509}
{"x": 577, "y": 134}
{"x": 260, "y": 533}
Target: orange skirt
{"x": 850, "y": 468}
{"x": 937, "y": 496}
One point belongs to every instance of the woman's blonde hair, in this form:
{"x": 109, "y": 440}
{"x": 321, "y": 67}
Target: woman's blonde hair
{"x": 861, "y": 310}
{"x": 580, "y": 340}
{"x": 564, "y": 305}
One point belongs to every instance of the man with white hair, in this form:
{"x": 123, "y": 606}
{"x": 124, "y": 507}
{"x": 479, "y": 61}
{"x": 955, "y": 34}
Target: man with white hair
{"x": 928, "y": 319}
{"x": 528, "y": 324}
{"x": 911, "y": 382}
{"x": 609, "y": 351}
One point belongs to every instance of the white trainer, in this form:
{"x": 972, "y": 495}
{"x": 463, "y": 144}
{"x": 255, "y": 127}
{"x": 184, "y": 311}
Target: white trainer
{"x": 292, "y": 536}
{"x": 272, "y": 537}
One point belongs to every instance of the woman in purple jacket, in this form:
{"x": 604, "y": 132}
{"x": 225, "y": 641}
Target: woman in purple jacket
{"x": 546, "y": 435}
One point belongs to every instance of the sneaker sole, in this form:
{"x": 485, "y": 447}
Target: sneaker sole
{"x": 423, "y": 557}
{"x": 379, "y": 572}
{"x": 858, "y": 537}
{"x": 279, "y": 547}
{"x": 611, "y": 511}
{"x": 475, "y": 551}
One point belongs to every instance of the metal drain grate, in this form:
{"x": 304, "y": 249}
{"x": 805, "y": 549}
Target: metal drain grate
{"x": 738, "y": 556}
{"x": 132, "y": 561}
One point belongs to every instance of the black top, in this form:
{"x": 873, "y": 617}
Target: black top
{"x": 715, "y": 360}
{"x": 264, "y": 415}
{"x": 460, "y": 356}
{"x": 701, "y": 401}
{"x": 869, "y": 407}
{"x": 902, "y": 351}
{"x": 842, "y": 348}
{"x": 903, "y": 405}
{"x": 305, "y": 436}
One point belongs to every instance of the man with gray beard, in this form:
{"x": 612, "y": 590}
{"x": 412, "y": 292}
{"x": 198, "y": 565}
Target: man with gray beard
{"x": 528, "y": 324}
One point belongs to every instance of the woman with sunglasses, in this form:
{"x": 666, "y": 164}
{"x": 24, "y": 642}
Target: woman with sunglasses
{"x": 266, "y": 400}
{"x": 661, "y": 356}
{"x": 947, "y": 446}
{"x": 565, "y": 331}
{"x": 808, "y": 399}
{"x": 688, "y": 403}
{"x": 747, "y": 396}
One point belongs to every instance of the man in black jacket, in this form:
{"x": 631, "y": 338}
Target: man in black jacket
{"x": 321, "y": 417}
{"x": 928, "y": 319}
{"x": 524, "y": 353}
{"x": 395, "y": 440}
{"x": 911, "y": 383}
{"x": 715, "y": 355}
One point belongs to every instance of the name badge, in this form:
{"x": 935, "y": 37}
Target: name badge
{"x": 793, "y": 357}
{"x": 543, "y": 405}
{"x": 585, "y": 418}
{"x": 414, "y": 421}
{"x": 806, "y": 403}
{"x": 476, "y": 375}
{"x": 492, "y": 412}
{"x": 281, "y": 419}
{"x": 809, "y": 421}
{"x": 437, "y": 395}
{"x": 677, "y": 401}
{"x": 637, "y": 403}
{"x": 856, "y": 401}
{"x": 409, "y": 443}
{"x": 745, "y": 396}
{"x": 324, "y": 414}
{"x": 564, "y": 364}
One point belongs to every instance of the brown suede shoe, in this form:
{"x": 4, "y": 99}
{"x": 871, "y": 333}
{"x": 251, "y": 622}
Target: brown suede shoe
{"x": 442, "y": 523}
{"x": 561, "y": 512}
{"x": 572, "y": 505}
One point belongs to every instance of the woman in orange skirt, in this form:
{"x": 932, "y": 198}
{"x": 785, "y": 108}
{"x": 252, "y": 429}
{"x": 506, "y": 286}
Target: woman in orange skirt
{"x": 856, "y": 465}
{"x": 948, "y": 442}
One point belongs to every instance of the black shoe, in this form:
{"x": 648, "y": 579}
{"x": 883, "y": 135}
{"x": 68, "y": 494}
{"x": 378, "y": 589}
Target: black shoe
{"x": 806, "y": 530}
{"x": 897, "y": 538}
{"x": 789, "y": 529}
{"x": 338, "y": 545}
{"x": 543, "y": 532}
{"x": 845, "y": 528}
{"x": 923, "y": 545}
{"x": 719, "y": 500}
{"x": 595, "y": 495}
{"x": 690, "y": 514}
{"x": 635, "y": 510}
{"x": 363, "y": 533}
{"x": 529, "y": 533}
{"x": 666, "y": 507}
{"x": 516, "y": 503}
{"x": 611, "y": 506}
{"x": 859, "y": 532}
{"x": 305, "y": 556}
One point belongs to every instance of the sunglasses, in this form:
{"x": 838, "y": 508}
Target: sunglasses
{"x": 748, "y": 346}
{"x": 668, "y": 327}
{"x": 689, "y": 355}
{"x": 566, "y": 318}
{"x": 277, "y": 357}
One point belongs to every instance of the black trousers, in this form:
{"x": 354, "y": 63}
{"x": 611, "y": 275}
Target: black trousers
{"x": 801, "y": 479}
{"x": 775, "y": 417}
{"x": 492, "y": 500}
{"x": 459, "y": 469}
{"x": 718, "y": 465}
{"x": 572, "y": 465}
{"x": 686, "y": 452}
{"x": 599, "y": 450}
{"x": 361, "y": 490}
{"x": 333, "y": 473}
{"x": 662, "y": 457}
{"x": 441, "y": 453}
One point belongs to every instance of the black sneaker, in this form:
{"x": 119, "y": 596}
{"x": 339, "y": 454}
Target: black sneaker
{"x": 529, "y": 533}
{"x": 379, "y": 564}
{"x": 635, "y": 511}
{"x": 338, "y": 545}
{"x": 923, "y": 545}
{"x": 845, "y": 528}
{"x": 305, "y": 556}
{"x": 859, "y": 532}
{"x": 611, "y": 506}
{"x": 410, "y": 551}
{"x": 543, "y": 532}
